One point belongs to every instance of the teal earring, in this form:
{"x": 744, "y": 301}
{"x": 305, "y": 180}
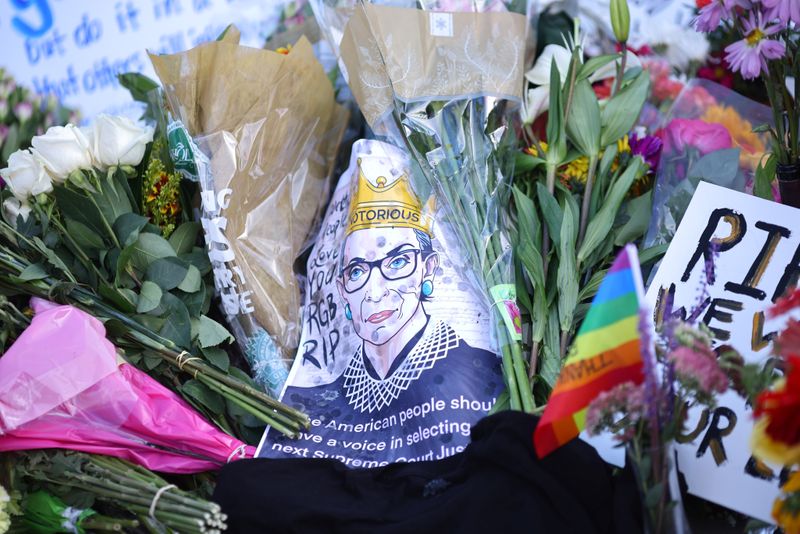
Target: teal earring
{"x": 347, "y": 312}
{"x": 427, "y": 288}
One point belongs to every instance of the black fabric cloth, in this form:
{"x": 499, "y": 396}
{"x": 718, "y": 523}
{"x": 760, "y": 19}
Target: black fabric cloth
{"x": 496, "y": 485}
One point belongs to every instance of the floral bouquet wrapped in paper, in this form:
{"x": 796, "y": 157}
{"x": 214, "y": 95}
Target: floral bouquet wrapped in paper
{"x": 440, "y": 81}
{"x": 708, "y": 135}
{"x": 266, "y": 131}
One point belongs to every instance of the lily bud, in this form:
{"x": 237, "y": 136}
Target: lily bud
{"x": 620, "y": 20}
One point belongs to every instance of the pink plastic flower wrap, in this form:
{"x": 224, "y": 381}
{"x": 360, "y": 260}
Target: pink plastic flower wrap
{"x": 62, "y": 386}
{"x": 708, "y": 135}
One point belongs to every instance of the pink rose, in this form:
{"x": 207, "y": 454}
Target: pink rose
{"x": 704, "y": 136}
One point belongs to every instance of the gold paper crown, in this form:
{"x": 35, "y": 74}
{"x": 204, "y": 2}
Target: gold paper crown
{"x": 385, "y": 205}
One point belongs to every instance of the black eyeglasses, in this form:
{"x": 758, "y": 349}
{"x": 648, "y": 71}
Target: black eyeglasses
{"x": 393, "y": 267}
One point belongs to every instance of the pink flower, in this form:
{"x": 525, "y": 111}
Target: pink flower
{"x": 23, "y": 111}
{"x": 714, "y": 12}
{"x": 749, "y": 56}
{"x": 784, "y": 10}
{"x": 697, "y": 369}
{"x": 704, "y": 136}
{"x": 618, "y": 409}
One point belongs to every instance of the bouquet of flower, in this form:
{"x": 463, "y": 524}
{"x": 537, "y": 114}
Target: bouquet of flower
{"x": 77, "y": 230}
{"x": 580, "y": 192}
{"x": 24, "y": 115}
{"x": 80, "y": 397}
{"x": 417, "y": 84}
{"x": 83, "y": 480}
{"x": 769, "y": 41}
{"x": 683, "y": 373}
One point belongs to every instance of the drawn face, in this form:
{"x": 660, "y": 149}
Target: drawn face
{"x": 382, "y": 280}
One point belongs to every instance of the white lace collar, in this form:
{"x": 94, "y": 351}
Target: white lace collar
{"x": 367, "y": 394}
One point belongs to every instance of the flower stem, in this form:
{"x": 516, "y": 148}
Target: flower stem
{"x": 586, "y": 202}
{"x": 621, "y": 69}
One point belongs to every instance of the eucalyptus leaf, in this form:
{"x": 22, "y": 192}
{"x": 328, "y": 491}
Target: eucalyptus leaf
{"x": 117, "y": 298}
{"x": 149, "y": 297}
{"x": 600, "y": 225}
{"x": 720, "y": 167}
{"x": 191, "y": 283}
{"x": 138, "y": 256}
{"x": 194, "y": 301}
{"x": 168, "y": 273}
{"x": 177, "y": 326}
{"x": 621, "y": 112}
{"x": 184, "y": 237}
{"x": 199, "y": 259}
{"x": 127, "y": 227}
{"x": 211, "y": 333}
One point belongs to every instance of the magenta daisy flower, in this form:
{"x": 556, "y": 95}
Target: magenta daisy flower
{"x": 710, "y": 16}
{"x": 749, "y": 56}
{"x": 784, "y": 10}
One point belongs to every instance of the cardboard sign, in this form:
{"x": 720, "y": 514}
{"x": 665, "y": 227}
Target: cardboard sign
{"x": 757, "y": 245}
{"x": 395, "y": 361}
{"x": 76, "y": 49}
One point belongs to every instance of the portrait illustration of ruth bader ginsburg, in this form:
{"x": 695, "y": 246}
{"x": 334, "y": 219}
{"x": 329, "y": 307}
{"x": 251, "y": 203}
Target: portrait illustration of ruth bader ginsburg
{"x": 386, "y": 273}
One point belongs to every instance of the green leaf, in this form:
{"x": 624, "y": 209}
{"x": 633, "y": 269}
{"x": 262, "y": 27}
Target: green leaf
{"x": 112, "y": 199}
{"x": 177, "y": 326}
{"x": 600, "y": 225}
{"x": 555, "y": 116}
{"x": 567, "y": 271}
{"x": 528, "y": 224}
{"x": 203, "y": 395}
{"x": 526, "y": 163}
{"x": 11, "y": 143}
{"x": 34, "y": 271}
{"x": 138, "y": 256}
{"x": 168, "y": 273}
{"x": 551, "y": 351}
{"x": 211, "y": 333}
{"x": 84, "y": 237}
{"x": 138, "y": 85}
{"x": 720, "y": 167}
{"x": 127, "y": 227}
{"x": 765, "y": 174}
{"x": 184, "y": 237}
{"x": 620, "y": 113}
{"x": 583, "y": 123}
{"x": 191, "y": 283}
{"x": 149, "y": 297}
{"x": 590, "y": 288}
{"x": 589, "y": 68}
{"x": 194, "y": 301}
{"x": 217, "y": 357}
{"x": 653, "y": 495}
{"x": 551, "y": 212}
{"x": 652, "y": 254}
{"x": 199, "y": 259}
{"x": 639, "y": 210}
{"x": 77, "y": 207}
{"x": 122, "y": 301}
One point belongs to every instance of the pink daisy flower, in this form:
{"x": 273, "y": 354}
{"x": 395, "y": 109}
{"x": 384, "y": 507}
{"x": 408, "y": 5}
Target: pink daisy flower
{"x": 784, "y": 10}
{"x": 749, "y": 56}
{"x": 712, "y": 14}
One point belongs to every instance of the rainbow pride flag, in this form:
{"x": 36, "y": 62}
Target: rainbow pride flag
{"x": 606, "y": 352}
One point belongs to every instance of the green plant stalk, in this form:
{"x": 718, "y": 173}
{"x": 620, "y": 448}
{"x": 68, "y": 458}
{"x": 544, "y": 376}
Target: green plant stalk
{"x": 106, "y": 224}
{"x": 621, "y": 68}
{"x": 587, "y": 197}
{"x": 769, "y": 82}
{"x": 102, "y": 522}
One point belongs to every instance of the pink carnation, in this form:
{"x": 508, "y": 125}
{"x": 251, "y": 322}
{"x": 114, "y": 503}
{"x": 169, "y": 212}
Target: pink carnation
{"x": 698, "y": 369}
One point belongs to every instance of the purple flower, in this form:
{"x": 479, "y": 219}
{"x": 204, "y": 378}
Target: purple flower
{"x": 648, "y": 147}
{"x": 711, "y": 15}
{"x": 784, "y": 10}
{"x": 749, "y": 56}
{"x": 697, "y": 369}
{"x": 23, "y": 111}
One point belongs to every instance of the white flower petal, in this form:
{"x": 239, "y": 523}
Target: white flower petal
{"x": 540, "y": 73}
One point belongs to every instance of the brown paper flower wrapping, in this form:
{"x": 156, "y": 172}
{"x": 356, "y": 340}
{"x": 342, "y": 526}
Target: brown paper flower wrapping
{"x": 271, "y": 128}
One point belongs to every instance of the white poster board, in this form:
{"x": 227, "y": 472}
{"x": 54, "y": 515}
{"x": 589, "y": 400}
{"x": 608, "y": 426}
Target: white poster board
{"x": 758, "y": 255}
{"x": 76, "y": 49}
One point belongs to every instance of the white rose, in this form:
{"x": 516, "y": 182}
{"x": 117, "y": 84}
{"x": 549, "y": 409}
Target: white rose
{"x": 12, "y": 207}
{"x": 117, "y": 141}
{"x": 25, "y": 175}
{"x": 63, "y": 149}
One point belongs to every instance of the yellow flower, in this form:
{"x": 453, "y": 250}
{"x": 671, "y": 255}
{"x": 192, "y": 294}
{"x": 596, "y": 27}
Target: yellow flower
{"x": 533, "y": 151}
{"x": 623, "y": 145}
{"x": 741, "y": 130}
{"x": 284, "y": 50}
{"x": 793, "y": 484}
{"x": 787, "y": 518}
{"x": 577, "y": 169}
{"x": 767, "y": 449}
